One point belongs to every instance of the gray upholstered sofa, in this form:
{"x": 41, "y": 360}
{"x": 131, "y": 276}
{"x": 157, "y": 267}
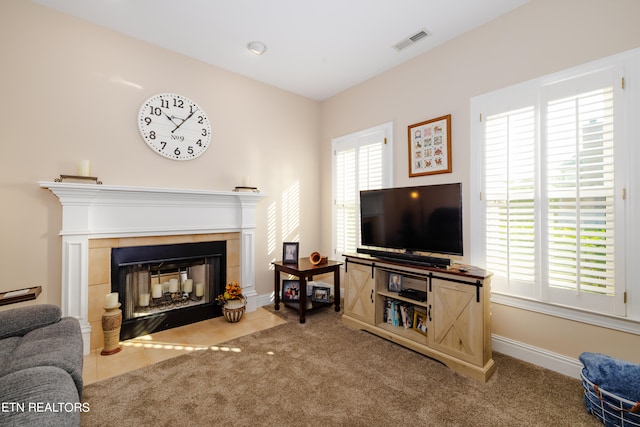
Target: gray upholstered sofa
{"x": 40, "y": 367}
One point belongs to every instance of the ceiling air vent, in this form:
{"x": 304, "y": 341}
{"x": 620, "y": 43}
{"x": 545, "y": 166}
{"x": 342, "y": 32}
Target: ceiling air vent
{"x": 405, "y": 43}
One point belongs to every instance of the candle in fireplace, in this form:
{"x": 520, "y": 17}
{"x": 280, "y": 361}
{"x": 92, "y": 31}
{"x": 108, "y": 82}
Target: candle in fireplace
{"x": 173, "y": 285}
{"x": 187, "y": 286}
{"x": 199, "y": 289}
{"x": 157, "y": 290}
{"x": 111, "y": 300}
{"x": 144, "y": 300}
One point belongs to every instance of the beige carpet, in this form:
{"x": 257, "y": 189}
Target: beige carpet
{"x": 323, "y": 373}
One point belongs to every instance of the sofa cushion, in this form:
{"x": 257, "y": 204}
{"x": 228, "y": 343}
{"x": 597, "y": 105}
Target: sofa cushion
{"x": 41, "y": 396}
{"x": 58, "y": 344}
{"x": 7, "y": 346}
{"x": 19, "y": 321}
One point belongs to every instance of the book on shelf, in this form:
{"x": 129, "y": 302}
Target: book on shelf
{"x": 407, "y": 315}
{"x": 398, "y": 313}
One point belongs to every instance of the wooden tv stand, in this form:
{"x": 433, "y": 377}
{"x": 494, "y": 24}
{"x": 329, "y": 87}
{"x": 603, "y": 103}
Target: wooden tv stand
{"x": 456, "y": 311}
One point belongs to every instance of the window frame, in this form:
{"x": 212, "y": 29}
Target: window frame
{"x": 627, "y": 69}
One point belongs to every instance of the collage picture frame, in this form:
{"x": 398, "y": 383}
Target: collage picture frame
{"x": 430, "y": 147}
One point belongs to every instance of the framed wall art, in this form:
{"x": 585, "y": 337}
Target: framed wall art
{"x": 430, "y": 147}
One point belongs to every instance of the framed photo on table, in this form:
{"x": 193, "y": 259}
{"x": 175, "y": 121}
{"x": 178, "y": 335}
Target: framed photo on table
{"x": 321, "y": 294}
{"x": 430, "y": 147}
{"x": 290, "y": 252}
{"x": 290, "y": 290}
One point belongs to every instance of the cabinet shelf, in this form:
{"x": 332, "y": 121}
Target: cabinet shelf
{"x": 409, "y": 334}
{"x": 395, "y": 295}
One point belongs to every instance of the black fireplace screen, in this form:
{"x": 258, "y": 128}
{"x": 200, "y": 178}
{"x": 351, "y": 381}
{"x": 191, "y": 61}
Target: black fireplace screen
{"x": 164, "y": 286}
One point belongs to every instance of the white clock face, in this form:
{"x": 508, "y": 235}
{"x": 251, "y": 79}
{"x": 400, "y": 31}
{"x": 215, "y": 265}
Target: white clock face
{"x": 174, "y": 126}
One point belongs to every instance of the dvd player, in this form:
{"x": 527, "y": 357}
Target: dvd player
{"x": 413, "y": 294}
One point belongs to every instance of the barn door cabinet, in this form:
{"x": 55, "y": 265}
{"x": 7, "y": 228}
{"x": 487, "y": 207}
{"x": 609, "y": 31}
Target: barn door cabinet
{"x": 447, "y": 318}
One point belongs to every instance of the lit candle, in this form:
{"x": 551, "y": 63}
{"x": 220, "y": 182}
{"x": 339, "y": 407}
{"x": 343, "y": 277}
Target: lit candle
{"x": 84, "y": 168}
{"x": 187, "y": 286}
{"x": 111, "y": 300}
{"x": 157, "y": 290}
{"x": 144, "y": 300}
{"x": 199, "y": 289}
{"x": 173, "y": 285}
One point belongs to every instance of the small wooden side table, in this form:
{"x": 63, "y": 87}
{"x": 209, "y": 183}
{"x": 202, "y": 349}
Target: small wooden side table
{"x": 305, "y": 271}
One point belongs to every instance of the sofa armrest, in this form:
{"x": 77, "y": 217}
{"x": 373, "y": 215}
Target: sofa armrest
{"x": 19, "y": 321}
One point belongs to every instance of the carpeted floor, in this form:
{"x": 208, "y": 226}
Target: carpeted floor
{"x": 323, "y": 373}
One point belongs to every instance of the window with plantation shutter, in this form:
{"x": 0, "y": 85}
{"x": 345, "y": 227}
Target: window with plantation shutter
{"x": 550, "y": 162}
{"x": 362, "y": 161}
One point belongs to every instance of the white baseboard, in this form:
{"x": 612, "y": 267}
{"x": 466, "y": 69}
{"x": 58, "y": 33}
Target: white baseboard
{"x": 264, "y": 299}
{"x": 538, "y": 356}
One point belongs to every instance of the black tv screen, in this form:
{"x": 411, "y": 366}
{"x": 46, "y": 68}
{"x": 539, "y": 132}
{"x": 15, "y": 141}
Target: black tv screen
{"x": 424, "y": 219}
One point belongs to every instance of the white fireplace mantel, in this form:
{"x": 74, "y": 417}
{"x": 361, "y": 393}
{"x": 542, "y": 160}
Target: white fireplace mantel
{"x": 91, "y": 211}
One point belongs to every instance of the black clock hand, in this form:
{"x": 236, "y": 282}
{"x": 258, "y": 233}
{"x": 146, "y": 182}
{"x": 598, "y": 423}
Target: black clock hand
{"x": 188, "y": 117}
{"x": 170, "y": 119}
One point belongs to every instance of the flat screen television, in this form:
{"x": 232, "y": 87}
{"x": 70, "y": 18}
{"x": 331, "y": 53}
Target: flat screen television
{"x": 416, "y": 219}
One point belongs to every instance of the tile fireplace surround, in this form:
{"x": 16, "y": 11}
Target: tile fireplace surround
{"x": 96, "y": 218}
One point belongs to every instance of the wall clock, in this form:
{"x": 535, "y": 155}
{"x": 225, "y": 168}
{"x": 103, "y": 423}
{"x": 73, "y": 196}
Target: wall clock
{"x": 174, "y": 126}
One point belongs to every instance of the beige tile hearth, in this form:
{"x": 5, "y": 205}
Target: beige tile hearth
{"x": 149, "y": 349}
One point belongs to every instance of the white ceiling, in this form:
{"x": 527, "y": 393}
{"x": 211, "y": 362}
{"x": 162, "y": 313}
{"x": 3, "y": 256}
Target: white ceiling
{"x": 316, "y": 48}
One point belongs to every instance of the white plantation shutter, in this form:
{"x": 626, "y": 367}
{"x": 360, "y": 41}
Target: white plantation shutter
{"x": 510, "y": 192}
{"x": 580, "y": 188}
{"x": 361, "y": 162}
{"x": 551, "y": 226}
{"x": 345, "y": 205}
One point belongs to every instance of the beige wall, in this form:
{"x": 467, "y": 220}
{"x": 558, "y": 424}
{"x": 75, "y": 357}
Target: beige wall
{"x": 539, "y": 38}
{"x": 72, "y": 90}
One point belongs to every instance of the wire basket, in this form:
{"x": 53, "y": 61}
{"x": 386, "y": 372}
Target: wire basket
{"x": 610, "y": 409}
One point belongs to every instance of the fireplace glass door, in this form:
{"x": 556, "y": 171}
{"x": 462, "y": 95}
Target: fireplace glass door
{"x": 165, "y": 286}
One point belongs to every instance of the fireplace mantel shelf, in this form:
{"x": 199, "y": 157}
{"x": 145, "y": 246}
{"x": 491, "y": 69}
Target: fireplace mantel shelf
{"x": 92, "y": 211}
{"x": 97, "y": 194}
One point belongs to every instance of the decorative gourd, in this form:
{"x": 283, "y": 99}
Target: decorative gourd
{"x": 315, "y": 258}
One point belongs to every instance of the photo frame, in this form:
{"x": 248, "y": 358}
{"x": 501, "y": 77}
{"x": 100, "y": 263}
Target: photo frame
{"x": 321, "y": 294}
{"x": 420, "y": 321}
{"x": 290, "y": 290}
{"x": 395, "y": 282}
{"x": 430, "y": 147}
{"x": 290, "y": 252}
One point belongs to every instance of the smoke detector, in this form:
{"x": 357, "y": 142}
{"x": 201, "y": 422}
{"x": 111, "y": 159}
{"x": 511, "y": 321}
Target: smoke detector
{"x": 257, "y": 48}
{"x": 411, "y": 40}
